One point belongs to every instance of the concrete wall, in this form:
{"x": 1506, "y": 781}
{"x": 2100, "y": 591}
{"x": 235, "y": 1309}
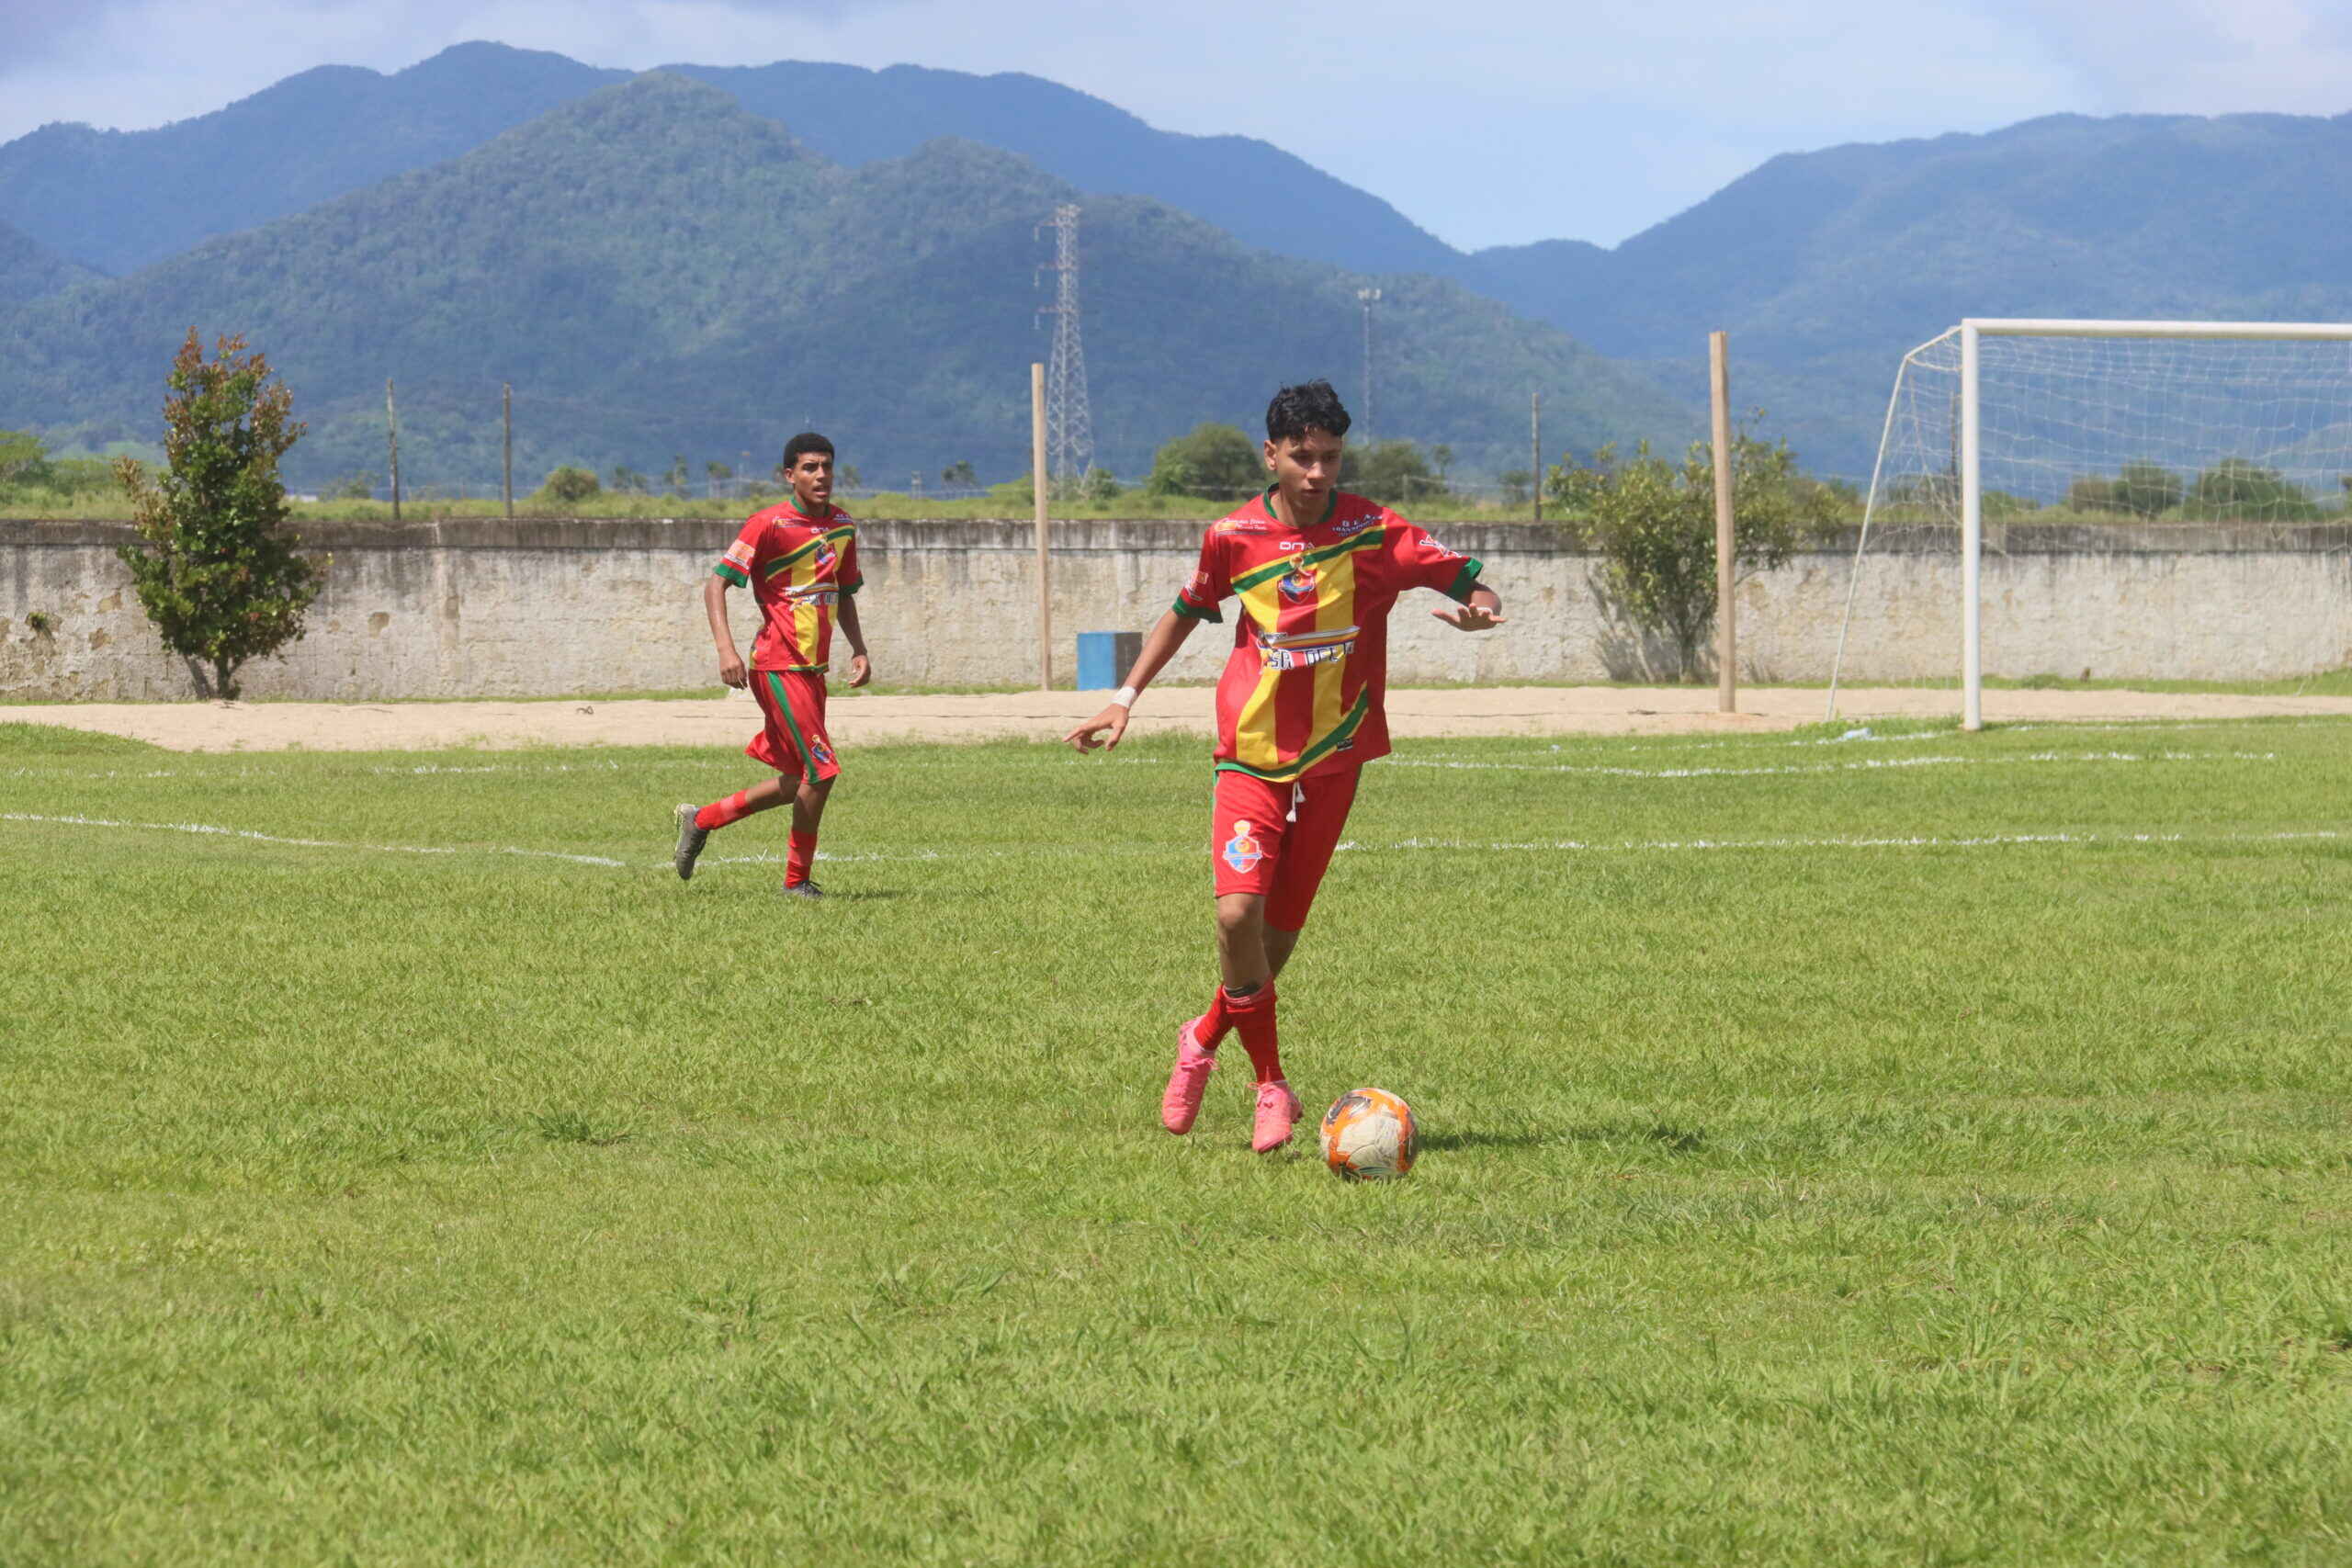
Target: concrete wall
{"x": 546, "y": 607}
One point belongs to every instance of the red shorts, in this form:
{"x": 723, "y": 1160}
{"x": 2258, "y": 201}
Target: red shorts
{"x": 793, "y": 742}
{"x": 1277, "y": 839}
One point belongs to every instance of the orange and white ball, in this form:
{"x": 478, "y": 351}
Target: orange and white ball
{"x": 1368, "y": 1136}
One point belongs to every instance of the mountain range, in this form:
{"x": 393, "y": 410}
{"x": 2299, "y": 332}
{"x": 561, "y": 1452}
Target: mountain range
{"x": 1825, "y": 267}
{"x": 659, "y": 271}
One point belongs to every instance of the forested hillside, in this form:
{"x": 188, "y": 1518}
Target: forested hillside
{"x": 123, "y": 199}
{"x": 663, "y": 273}
{"x": 29, "y": 269}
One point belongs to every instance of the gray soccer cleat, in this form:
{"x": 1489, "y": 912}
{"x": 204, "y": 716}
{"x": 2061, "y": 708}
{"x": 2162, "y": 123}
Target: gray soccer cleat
{"x": 807, "y": 890}
{"x": 690, "y": 842}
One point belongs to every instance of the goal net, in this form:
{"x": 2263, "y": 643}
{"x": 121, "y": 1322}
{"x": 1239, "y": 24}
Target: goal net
{"x": 2120, "y": 499}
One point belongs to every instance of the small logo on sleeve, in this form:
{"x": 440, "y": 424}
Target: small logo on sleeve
{"x": 739, "y": 553}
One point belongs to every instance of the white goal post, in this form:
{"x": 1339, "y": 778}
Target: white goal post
{"x": 2070, "y": 419}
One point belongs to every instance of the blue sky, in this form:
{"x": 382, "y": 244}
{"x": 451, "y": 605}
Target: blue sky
{"x": 1486, "y": 121}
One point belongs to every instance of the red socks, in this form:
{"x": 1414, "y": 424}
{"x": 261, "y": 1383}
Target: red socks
{"x": 720, "y": 813}
{"x": 798, "y": 858}
{"x": 1252, "y": 1018}
{"x": 802, "y": 850}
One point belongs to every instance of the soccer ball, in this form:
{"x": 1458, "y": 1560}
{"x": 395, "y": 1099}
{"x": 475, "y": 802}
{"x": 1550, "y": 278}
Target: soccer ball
{"x": 1368, "y": 1136}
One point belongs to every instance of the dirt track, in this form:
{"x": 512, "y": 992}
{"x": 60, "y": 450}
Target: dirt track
{"x": 727, "y": 721}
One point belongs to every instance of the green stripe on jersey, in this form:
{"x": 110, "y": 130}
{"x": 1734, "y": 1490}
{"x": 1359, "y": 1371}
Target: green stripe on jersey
{"x": 1340, "y": 734}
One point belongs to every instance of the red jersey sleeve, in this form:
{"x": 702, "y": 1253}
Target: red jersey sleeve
{"x": 742, "y": 556}
{"x": 1210, "y": 584}
{"x": 849, "y": 577}
{"x": 1419, "y": 562}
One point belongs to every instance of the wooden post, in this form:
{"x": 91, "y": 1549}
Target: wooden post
{"x": 506, "y": 401}
{"x": 1535, "y": 449}
{"x": 1726, "y": 538}
{"x": 392, "y": 434}
{"x": 1045, "y": 560}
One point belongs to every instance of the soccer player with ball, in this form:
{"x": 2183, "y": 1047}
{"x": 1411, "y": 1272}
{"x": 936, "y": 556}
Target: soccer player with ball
{"x": 1299, "y": 712}
{"x": 799, "y": 558}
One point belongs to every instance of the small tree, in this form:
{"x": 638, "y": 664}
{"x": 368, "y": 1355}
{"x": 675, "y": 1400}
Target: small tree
{"x": 24, "y": 459}
{"x": 2236, "y": 488}
{"x": 960, "y": 474}
{"x": 1099, "y": 486}
{"x": 570, "y": 485}
{"x": 217, "y": 568}
{"x": 2147, "y": 489}
{"x": 1394, "y": 473}
{"x": 1653, "y": 522}
{"x": 1215, "y": 462}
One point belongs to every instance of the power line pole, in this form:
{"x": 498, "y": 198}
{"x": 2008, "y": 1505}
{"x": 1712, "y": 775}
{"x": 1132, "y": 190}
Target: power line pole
{"x": 392, "y": 434}
{"x": 1069, "y": 419}
{"x": 1535, "y": 436}
{"x": 507, "y": 401}
{"x": 1369, "y": 297}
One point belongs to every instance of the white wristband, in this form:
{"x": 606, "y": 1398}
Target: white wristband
{"x": 1125, "y": 696}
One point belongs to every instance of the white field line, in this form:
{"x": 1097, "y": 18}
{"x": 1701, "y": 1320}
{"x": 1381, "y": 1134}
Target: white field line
{"x": 1863, "y": 736}
{"x": 1871, "y": 764}
{"x": 1524, "y": 846}
{"x": 1425, "y": 760}
{"x": 209, "y": 830}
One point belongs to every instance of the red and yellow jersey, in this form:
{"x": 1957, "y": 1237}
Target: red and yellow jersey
{"x": 1303, "y": 691}
{"x": 797, "y": 567}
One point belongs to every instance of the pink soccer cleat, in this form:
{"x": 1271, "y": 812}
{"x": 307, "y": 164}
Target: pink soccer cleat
{"x": 1187, "y": 1080}
{"x": 1277, "y": 1114}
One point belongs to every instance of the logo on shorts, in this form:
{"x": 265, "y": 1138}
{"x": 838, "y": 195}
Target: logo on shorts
{"x": 1243, "y": 853}
{"x": 1298, "y": 583}
{"x": 821, "y": 753}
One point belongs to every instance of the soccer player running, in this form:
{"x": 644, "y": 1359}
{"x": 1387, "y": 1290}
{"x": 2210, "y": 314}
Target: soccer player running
{"x": 800, "y": 558}
{"x": 1299, "y": 712}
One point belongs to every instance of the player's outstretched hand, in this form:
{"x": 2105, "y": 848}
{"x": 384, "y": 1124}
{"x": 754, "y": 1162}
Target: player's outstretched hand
{"x": 1113, "y": 718}
{"x": 860, "y": 671}
{"x": 1471, "y": 617}
{"x": 732, "y": 671}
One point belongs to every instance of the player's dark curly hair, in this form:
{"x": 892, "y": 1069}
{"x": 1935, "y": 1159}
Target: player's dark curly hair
{"x": 806, "y": 441}
{"x": 1297, "y": 409}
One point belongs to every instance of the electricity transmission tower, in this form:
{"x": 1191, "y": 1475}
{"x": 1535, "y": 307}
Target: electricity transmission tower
{"x": 1070, "y": 422}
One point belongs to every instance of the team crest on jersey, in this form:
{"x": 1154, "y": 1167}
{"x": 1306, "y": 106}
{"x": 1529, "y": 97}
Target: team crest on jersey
{"x": 1298, "y": 583}
{"x": 824, "y": 556}
{"x": 1242, "y": 851}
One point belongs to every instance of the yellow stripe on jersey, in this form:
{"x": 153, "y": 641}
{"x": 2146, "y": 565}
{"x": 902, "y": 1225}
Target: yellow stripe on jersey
{"x": 1255, "y": 742}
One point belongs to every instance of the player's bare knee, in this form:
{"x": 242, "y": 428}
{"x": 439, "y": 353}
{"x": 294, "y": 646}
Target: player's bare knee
{"x": 1239, "y": 915}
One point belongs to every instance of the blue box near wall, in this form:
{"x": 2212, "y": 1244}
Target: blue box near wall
{"x": 1104, "y": 657}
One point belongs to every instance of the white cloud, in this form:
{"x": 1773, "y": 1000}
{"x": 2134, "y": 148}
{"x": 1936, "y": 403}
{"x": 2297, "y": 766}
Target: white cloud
{"x": 2199, "y": 56}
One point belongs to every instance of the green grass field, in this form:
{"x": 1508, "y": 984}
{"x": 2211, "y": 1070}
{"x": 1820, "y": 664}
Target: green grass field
{"x": 1918, "y": 1149}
